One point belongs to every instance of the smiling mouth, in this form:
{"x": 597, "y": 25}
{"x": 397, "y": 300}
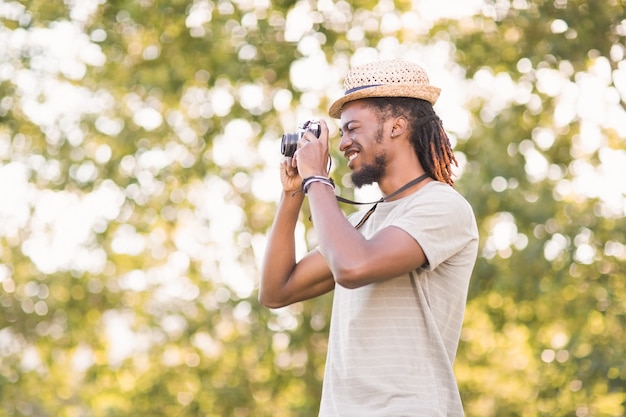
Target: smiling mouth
{"x": 351, "y": 156}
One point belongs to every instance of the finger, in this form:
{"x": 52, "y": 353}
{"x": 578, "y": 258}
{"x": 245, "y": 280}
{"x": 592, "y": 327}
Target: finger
{"x": 303, "y": 141}
{"x": 309, "y": 136}
{"x": 287, "y": 165}
{"x": 324, "y": 131}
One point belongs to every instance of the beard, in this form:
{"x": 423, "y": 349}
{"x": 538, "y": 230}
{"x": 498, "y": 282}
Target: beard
{"x": 370, "y": 173}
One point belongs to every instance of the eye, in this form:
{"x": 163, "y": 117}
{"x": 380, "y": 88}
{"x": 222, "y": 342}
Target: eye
{"x": 348, "y": 129}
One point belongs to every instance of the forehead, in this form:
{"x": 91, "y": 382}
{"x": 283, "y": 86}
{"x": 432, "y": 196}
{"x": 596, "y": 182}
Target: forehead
{"x": 357, "y": 110}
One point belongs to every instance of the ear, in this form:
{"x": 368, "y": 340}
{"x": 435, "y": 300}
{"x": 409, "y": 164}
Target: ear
{"x": 399, "y": 126}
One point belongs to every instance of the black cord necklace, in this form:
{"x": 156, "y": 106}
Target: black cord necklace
{"x": 383, "y": 199}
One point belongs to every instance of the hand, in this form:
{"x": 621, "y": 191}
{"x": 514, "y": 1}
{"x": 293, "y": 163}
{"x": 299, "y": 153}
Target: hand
{"x": 289, "y": 176}
{"x": 312, "y": 156}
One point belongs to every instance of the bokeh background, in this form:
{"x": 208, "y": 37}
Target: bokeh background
{"x": 139, "y": 150}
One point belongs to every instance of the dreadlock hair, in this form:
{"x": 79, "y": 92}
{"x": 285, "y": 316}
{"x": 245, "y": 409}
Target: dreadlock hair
{"x": 429, "y": 139}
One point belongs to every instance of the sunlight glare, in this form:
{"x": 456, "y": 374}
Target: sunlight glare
{"x": 235, "y": 147}
{"x": 298, "y": 22}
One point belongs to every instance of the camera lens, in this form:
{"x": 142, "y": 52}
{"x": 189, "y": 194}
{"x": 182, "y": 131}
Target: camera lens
{"x": 289, "y": 144}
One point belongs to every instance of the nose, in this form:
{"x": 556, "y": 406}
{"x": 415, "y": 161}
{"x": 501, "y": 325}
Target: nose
{"x": 345, "y": 142}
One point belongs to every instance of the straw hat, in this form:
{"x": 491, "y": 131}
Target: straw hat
{"x": 385, "y": 79}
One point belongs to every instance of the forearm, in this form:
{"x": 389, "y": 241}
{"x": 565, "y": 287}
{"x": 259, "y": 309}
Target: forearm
{"x": 340, "y": 243}
{"x": 280, "y": 253}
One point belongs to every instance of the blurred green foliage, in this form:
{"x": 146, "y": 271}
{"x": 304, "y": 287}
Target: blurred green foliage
{"x": 137, "y": 139}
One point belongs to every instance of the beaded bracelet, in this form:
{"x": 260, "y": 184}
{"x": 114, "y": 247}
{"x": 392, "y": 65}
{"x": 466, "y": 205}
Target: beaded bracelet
{"x": 310, "y": 180}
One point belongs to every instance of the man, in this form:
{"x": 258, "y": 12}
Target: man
{"x": 401, "y": 271}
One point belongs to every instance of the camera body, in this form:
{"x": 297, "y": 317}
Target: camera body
{"x": 289, "y": 143}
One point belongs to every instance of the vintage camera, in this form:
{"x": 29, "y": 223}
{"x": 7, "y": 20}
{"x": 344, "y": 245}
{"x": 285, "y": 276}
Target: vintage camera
{"x": 289, "y": 144}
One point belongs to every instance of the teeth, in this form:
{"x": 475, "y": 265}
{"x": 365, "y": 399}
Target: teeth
{"x": 352, "y": 156}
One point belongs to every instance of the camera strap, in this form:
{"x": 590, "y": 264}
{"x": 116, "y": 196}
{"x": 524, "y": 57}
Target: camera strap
{"x": 382, "y": 200}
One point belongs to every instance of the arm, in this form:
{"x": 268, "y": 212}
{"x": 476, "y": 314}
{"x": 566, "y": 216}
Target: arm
{"x": 283, "y": 280}
{"x": 353, "y": 260}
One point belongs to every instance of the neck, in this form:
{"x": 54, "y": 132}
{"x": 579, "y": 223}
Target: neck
{"x": 406, "y": 188}
{"x": 403, "y": 166}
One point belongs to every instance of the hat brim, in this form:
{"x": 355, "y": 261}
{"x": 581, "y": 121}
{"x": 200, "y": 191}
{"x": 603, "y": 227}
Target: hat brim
{"x": 425, "y": 92}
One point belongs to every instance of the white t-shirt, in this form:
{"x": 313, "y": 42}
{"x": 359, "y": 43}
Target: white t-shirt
{"x": 392, "y": 344}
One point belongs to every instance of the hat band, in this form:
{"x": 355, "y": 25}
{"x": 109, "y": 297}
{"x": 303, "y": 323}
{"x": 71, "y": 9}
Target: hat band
{"x": 363, "y": 87}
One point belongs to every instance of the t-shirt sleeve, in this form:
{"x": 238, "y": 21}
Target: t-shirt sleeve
{"x": 442, "y": 222}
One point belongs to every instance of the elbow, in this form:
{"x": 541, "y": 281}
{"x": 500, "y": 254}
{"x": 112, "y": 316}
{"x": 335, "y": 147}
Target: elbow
{"x": 350, "y": 277}
{"x": 346, "y": 283}
{"x": 266, "y": 300}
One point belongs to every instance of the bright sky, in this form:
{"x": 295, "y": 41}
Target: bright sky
{"x": 62, "y": 222}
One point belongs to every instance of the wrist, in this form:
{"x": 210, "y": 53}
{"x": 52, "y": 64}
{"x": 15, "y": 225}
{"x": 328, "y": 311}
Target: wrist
{"x": 308, "y": 181}
{"x": 298, "y": 194}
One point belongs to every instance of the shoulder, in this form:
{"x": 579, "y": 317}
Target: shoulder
{"x": 442, "y": 196}
{"x": 440, "y": 209}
